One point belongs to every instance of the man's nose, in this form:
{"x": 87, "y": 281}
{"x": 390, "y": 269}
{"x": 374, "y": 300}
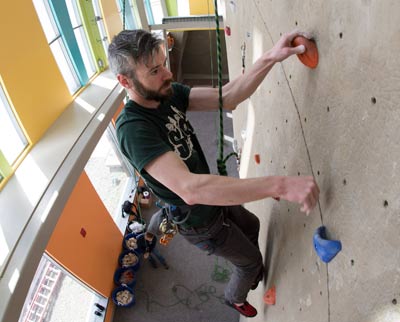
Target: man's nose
{"x": 167, "y": 73}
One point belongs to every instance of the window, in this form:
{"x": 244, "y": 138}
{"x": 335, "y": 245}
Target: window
{"x": 12, "y": 139}
{"x": 69, "y": 39}
{"x": 149, "y": 12}
{"x": 100, "y": 25}
{"x": 81, "y": 38}
{"x": 54, "y": 291}
{"x": 57, "y": 46}
{"x": 154, "y": 11}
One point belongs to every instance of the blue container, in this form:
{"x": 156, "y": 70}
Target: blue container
{"x": 126, "y": 263}
{"x": 123, "y": 296}
{"x": 126, "y": 238}
{"x": 326, "y": 249}
{"x": 125, "y": 276}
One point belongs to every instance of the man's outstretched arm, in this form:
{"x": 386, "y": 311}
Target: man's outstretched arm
{"x": 243, "y": 86}
{"x": 209, "y": 189}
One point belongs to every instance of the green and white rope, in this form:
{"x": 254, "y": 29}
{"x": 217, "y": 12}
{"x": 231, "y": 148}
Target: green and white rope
{"x": 221, "y": 161}
{"x": 123, "y": 14}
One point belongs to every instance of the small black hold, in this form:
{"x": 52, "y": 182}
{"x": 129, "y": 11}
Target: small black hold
{"x": 276, "y": 128}
{"x": 280, "y": 32}
{"x": 290, "y": 76}
{"x": 318, "y": 173}
{"x": 286, "y": 121}
{"x": 284, "y": 167}
{"x": 302, "y": 270}
{"x": 304, "y": 225}
{"x": 385, "y": 203}
{"x": 373, "y": 100}
{"x": 352, "y": 262}
{"x": 300, "y": 309}
{"x": 305, "y": 119}
{"x": 344, "y": 181}
{"x": 341, "y": 35}
{"x": 288, "y": 210}
{"x": 296, "y": 23}
{"x": 278, "y": 83}
{"x": 271, "y": 161}
{"x": 298, "y": 173}
{"x": 394, "y": 301}
{"x": 320, "y": 293}
{"x": 327, "y": 108}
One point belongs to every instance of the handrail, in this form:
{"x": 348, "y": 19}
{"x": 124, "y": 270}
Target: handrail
{"x": 59, "y": 158}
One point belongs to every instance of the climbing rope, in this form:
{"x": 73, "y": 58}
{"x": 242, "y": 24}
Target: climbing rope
{"x": 123, "y": 14}
{"x": 221, "y": 161}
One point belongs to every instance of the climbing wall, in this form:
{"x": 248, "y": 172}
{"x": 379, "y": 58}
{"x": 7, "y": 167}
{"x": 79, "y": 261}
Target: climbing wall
{"x": 340, "y": 123}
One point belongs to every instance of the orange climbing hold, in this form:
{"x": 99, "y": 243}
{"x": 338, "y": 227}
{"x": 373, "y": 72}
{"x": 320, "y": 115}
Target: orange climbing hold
{"x": 270, "y": 296}
{"x": 310, "y": 56}
{"x": 257, "y": 158}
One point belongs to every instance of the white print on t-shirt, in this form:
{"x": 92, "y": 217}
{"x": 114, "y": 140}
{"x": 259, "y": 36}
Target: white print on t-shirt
{"x": 179, "y": 131}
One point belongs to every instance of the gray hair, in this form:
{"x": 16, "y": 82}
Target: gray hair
{"x": 129, "y": 48}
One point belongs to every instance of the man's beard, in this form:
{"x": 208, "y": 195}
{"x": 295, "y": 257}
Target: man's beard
{"x": 151, "y": 95}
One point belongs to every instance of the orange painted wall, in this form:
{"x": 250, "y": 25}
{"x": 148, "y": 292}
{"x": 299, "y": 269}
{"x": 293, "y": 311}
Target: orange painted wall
{"x": 201, "y": 7}
{"x": 30, "y": 74}
{"x": 92, "y": 259}
{"x": 111, "y": 17}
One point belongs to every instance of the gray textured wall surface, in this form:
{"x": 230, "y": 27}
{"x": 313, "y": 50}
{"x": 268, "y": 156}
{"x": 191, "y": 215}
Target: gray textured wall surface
{"x": 339, "y": 123}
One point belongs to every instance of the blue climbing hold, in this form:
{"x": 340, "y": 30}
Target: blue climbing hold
{"x": 326, "y": 249}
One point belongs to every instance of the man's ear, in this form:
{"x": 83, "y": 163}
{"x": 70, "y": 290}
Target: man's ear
{"x": 124, "y": 81}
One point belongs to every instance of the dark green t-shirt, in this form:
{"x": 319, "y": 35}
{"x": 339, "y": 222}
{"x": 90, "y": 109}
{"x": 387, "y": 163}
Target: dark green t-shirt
{"x": 144, "y": 134}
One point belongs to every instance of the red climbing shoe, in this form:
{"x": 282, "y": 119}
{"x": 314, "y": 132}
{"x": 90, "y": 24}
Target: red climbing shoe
{"x": 245, "y": 309}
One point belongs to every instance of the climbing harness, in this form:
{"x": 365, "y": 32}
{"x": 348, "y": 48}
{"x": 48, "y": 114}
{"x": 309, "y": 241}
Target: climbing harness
{"x": 168, "y": 230}
{"x": 169, "y": 225}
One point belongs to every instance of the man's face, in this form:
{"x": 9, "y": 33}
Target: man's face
{"x": 153, "y": 81}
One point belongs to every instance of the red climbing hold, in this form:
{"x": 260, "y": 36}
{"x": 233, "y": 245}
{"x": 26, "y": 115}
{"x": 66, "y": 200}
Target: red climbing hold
{"x": 257, "y": 158}
{"x": 310, "y": 56}
{"x": 227, "y": 31}
{"x": 270, "y": 296}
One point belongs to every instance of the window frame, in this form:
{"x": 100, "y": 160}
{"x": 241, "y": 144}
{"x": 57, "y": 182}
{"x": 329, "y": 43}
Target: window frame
{"x": 93, "y": 24}
{"x": 7, "y": 166}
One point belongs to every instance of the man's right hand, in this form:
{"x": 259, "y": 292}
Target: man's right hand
{"x": 301, "y": 190}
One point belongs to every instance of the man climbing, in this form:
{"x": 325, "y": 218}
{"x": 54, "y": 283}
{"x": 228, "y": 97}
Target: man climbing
{"x": 160, "y": 143}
